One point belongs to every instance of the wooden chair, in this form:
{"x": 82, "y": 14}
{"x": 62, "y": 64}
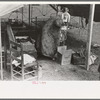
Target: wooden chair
{"x": 27, "y": 46}
{"x": 16, "y": 49}
{"x": 21, "y": 72}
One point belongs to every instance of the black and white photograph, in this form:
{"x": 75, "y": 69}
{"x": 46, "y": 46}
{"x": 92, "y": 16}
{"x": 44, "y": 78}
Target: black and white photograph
{"x": 50, "y": 42}
{"x": 49, "y": 49}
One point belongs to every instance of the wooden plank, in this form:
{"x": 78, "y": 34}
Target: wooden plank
{"x": 19, "y": 67}
{"x": 34, "y": 77}
{"x": 11, "y": 66}
{"x": 13, "y": 50}
{"x": 17, "y": 78}
{"x": 1, "y": 53}
{"x": 22, "y": 63}
{"x": 29, "y": 72}
{"x": 53, "y": 7}
{"x": 29, "y": 14}
{"x": 10, "y": 33}
{"x": 17, "y": 72}
{"x": 22, "y": 13}
{"x": 14, "y": 43}
{"x": 90, "y": 29}
{"x": 5, "y": 51}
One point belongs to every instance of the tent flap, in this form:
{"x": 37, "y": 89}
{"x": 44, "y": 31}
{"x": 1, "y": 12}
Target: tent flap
{"x": 7, "y": 8}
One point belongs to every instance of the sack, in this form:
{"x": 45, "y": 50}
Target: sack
{"x": 92, "y": 59}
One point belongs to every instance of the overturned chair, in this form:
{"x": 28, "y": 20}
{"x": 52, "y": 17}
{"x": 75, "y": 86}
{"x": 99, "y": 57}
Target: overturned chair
{"x": 23, "y": 65}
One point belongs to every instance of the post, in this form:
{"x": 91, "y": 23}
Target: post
{"x": 89, "y": 39}
{"x": 29, "y": 14}
{"x": 22, "y": 14}
{"x": 36, "y": 22}
{"x": 1, "y": 54}
{"x": 5, "y": 50}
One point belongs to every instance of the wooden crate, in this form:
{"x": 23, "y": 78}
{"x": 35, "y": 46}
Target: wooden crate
{"x": 64, "y": 58}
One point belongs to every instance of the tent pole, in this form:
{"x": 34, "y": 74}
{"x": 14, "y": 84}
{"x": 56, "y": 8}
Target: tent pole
{"x": 22, "y": 14}
{"x": 90, "y": 29}
{"x": 1, "y": 53}
{"x": 29, "y": 14}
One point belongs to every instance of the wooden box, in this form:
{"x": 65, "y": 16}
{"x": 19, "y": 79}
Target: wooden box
{"x": 64, "y": 57}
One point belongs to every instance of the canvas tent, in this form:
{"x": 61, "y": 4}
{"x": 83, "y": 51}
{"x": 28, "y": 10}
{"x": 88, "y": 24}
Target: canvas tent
{"x": 5, "y": 9}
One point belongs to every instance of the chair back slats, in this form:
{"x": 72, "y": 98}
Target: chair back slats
{"x": 14, "y": 51}
{"x": 15, "y": 44}
{"x": 10, "y": 33}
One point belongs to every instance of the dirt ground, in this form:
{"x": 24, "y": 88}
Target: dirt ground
{"x": 52, "y": 71}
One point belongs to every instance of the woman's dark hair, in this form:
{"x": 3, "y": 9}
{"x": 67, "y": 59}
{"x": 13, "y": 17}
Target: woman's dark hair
{"x": 63, "y": 9}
